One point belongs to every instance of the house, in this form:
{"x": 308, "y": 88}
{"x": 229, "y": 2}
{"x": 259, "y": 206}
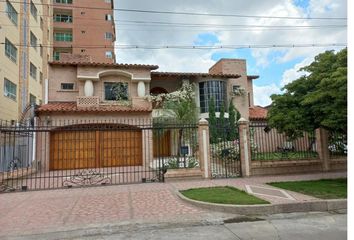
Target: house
{"x": 85, "y": 96}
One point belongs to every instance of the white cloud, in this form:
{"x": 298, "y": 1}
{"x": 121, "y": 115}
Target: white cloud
{"x": 294, "y": 73}
{"x": 200, "y": 60}
{"x": 261, "y": 94}
{"x": 193, "y": 60}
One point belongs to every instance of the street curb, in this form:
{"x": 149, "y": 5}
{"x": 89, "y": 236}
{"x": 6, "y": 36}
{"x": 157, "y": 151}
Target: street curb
{"x": 265, "y": 209}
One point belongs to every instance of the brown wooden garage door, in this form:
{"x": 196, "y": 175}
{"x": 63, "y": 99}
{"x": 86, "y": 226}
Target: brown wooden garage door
{"x": 94, "y": 149}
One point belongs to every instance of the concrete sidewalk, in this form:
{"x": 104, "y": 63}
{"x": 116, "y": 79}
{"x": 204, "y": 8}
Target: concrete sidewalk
{"x": 71, "y": 209}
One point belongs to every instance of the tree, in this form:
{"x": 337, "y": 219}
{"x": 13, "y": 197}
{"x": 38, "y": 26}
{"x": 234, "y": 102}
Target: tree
{"x": 234, "y": 116}
{"x": 222, "y": 128}
{"x": 180, "y": 106}
{"x": 212, "y": 121}
{"x": 318, "y": 99}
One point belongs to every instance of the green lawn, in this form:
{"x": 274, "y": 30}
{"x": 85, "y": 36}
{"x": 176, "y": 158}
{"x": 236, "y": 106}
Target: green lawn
{"x": 283, "y": 156}
{"x": 324, "y": 188}
{"x": 223, "y": 195}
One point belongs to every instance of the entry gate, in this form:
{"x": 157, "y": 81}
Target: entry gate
{"x": 75, "y": 154}
{"x": 225, "y": 151}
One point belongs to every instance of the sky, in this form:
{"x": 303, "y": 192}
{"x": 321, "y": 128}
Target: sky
{"x": 275, "y": 66}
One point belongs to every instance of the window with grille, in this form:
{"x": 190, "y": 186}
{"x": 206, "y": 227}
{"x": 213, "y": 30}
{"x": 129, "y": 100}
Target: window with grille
{"x": 10, "y": 50}
{"x": 67, "y": 86}
{"x": 63, "y": 37}
{"x": 64, "y": 1}
{"x": 108, "y": 36}
{"x": 63, "y": 18}
{"x": 11, "y": 12}
{"x": 10, "y": 89}
{"x": 215, "y": 89}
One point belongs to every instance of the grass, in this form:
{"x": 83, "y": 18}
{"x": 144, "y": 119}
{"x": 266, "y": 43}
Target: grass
{"x": 267, "y": 156}
{"x": 324, "y": 188}
{"x": 223, "y": 195}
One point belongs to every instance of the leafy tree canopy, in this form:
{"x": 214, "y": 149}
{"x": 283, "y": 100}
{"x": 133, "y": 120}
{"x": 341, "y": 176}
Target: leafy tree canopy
{"x": 318, "y": 99}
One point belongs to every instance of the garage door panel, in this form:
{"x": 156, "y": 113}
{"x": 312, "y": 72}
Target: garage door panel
{"x": 92, "y": 149}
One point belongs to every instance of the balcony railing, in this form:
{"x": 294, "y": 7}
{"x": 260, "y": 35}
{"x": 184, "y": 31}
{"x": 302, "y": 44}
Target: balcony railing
{"x": 63, "y": 18}
{"x": 63, "y": 37}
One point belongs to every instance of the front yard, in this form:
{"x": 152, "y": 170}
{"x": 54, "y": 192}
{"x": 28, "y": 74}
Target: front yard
{"x": 324, "y": 188}
{"x": 222, "y": 195}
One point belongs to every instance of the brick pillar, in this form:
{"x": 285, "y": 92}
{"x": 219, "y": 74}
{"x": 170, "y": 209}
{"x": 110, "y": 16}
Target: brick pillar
{"x": 322, "y": 147}
{"x": 245, "y": 147}
{"x": 204, "y": 148}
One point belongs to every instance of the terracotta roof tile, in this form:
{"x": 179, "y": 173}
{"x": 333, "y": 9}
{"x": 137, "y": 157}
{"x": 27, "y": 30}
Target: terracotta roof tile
{"x": 258, "y": 113}
{"x": 72, "y": 107}
{"x": 123, "y": 65}
{"x": 194, "y": 74}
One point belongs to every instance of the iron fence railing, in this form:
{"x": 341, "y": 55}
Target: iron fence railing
{"x": 225, "y": 151}
{"x": 267, "y": 144}
{"x": 48, "y": 154}
{"x": 337, "y": 144}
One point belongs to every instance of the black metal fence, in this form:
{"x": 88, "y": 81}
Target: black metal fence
{"x": 51, "y": 155}
{"x": 225, "y": 151}
{"x": 337, "y": 144}
{"x": 267, "y": 144}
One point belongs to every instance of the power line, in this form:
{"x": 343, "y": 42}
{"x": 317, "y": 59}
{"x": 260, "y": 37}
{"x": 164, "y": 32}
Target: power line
{"x": 213, "y": 26}
{"x": 190, "y": 13}
{"x": 178, "y": 24}
{"x": 191, "y": 47}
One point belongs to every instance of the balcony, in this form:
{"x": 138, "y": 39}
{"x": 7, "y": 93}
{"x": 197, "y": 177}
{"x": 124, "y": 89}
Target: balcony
{"x": 62, "y": 20}
{"x": 63, "y": 38}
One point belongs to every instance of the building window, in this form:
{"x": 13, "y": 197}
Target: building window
{"x": 108, "y": 36}
{"x": 63, "y": 37}
{"x": 108, "y": 1}
{"x": 64, "y": 1}
{"x": 212, "y": 89}
{"x": 11, "y": 12}
{"x": 33, "y": 71}
{"x": 56, "y": 56}
{"x": 10, "y": 89}
{"x": 63, "y": 18}
{"x": 116, "y": 91}
{"x": 33, "y": 99}
{"x": 10, "y": 50}
{"x": 33, "y": 40}
{"x": 34, "y": 10}
{"x": 109, "y": 17}
{"x": 67, "y": 86}
{"x": 83, "y": 50}
{"x": 109, "y": 54}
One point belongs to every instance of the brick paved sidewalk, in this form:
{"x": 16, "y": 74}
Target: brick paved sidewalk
{"x": 69, "y": 209}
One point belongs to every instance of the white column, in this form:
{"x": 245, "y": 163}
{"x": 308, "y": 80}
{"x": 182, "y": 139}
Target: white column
{"x": 88, "y": 88}
{"x": 141, "y": 89}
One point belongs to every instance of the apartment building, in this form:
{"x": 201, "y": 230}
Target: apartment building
{"x": 24, "y": 54}
{"x": 83, "y": 31}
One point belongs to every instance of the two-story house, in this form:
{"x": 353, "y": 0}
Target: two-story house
{"x": 86, "y": 95}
